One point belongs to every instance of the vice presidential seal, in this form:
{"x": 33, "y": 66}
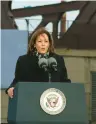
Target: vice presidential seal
{"x": 53, "y": 101}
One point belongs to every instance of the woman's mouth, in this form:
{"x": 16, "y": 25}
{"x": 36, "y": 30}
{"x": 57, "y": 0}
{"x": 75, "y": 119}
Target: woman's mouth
{"x": 42, "y": 48}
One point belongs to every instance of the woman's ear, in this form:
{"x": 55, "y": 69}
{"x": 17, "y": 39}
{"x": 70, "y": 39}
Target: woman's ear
{"x": 49, "y": 48}
{"x": 34, "y": 46}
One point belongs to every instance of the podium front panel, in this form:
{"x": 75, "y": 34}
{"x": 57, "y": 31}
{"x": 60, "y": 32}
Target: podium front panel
{"x": 27, "y": 103}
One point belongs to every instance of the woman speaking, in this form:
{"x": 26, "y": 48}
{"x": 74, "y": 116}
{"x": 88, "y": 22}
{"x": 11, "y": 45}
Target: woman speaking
{"x": 40, "y": 64}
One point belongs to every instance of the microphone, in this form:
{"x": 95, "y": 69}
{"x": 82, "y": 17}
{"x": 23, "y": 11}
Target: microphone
{"x": 52, "y": 63}
{"x": 43, "y": 63}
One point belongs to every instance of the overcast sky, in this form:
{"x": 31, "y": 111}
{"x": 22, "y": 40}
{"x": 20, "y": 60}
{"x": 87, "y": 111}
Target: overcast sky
{"x": 34, "y": 21}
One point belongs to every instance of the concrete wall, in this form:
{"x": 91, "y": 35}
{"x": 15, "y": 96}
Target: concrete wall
{"x": 79, "y": 70}
{"x": 79, "y": 66}
{"x": 4, "y": 106}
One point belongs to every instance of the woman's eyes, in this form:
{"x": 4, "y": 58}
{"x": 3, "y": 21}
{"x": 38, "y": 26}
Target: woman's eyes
{"x": 44, "y": 41}
{"x": 39, "y": 41}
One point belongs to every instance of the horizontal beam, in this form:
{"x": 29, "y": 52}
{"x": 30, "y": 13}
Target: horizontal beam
{"x": 48, "y": 9}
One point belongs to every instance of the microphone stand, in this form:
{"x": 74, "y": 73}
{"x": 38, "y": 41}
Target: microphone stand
{"x": 49, "y": 75}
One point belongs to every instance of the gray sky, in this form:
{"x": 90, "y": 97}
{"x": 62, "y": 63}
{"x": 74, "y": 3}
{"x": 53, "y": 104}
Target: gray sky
{"x": 35, "y": 20}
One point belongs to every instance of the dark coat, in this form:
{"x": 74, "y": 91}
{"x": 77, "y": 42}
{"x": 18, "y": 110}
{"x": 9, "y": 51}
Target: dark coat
{"x": 28, "y": 70}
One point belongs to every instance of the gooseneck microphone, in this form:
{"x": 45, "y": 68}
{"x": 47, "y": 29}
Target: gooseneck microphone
{"x": 43, "y": 63}
{"x": 52, "y": 63}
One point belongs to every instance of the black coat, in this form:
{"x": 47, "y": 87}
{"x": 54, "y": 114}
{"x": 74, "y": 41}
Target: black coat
{"x": 28, "y": 70}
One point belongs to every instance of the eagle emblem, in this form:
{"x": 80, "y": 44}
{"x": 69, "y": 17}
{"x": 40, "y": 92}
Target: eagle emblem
{"x": 53, "y": 101}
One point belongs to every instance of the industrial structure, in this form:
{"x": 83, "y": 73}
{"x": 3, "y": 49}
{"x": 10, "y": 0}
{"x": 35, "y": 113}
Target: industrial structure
{"x": 77, "y": 44}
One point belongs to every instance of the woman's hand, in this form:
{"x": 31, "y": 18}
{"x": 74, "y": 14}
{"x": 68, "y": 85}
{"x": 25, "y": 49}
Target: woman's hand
{"x": 10, "y": 92}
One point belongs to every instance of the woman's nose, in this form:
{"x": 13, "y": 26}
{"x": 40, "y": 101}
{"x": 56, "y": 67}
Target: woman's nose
{"x": 43, "y": 43}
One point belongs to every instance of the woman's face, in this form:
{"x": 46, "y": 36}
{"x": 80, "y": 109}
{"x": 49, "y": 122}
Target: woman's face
{"x": 42, "y": 43}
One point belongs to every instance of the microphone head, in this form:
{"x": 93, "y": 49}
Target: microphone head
{"x": 52, "y": 61}
{"x": 42, "y": 62}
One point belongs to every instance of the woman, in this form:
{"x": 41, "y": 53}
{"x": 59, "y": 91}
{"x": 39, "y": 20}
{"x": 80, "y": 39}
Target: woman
{"x": 27, "y": 67}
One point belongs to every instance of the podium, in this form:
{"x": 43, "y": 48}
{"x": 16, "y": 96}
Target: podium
{"x": 25, "y": 108}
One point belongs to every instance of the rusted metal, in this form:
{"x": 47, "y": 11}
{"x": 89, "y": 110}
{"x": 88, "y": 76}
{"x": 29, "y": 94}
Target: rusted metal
{"x": 7, "y": 18}
{"x": 81, "y": 35}
{"x": 48, "y": 9}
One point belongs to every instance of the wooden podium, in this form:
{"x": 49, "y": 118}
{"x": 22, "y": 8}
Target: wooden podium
{"x": 24, "y": 107}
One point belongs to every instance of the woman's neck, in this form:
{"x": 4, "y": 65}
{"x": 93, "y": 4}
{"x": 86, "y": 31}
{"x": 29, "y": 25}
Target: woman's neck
{"x": 40, "y": 55}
